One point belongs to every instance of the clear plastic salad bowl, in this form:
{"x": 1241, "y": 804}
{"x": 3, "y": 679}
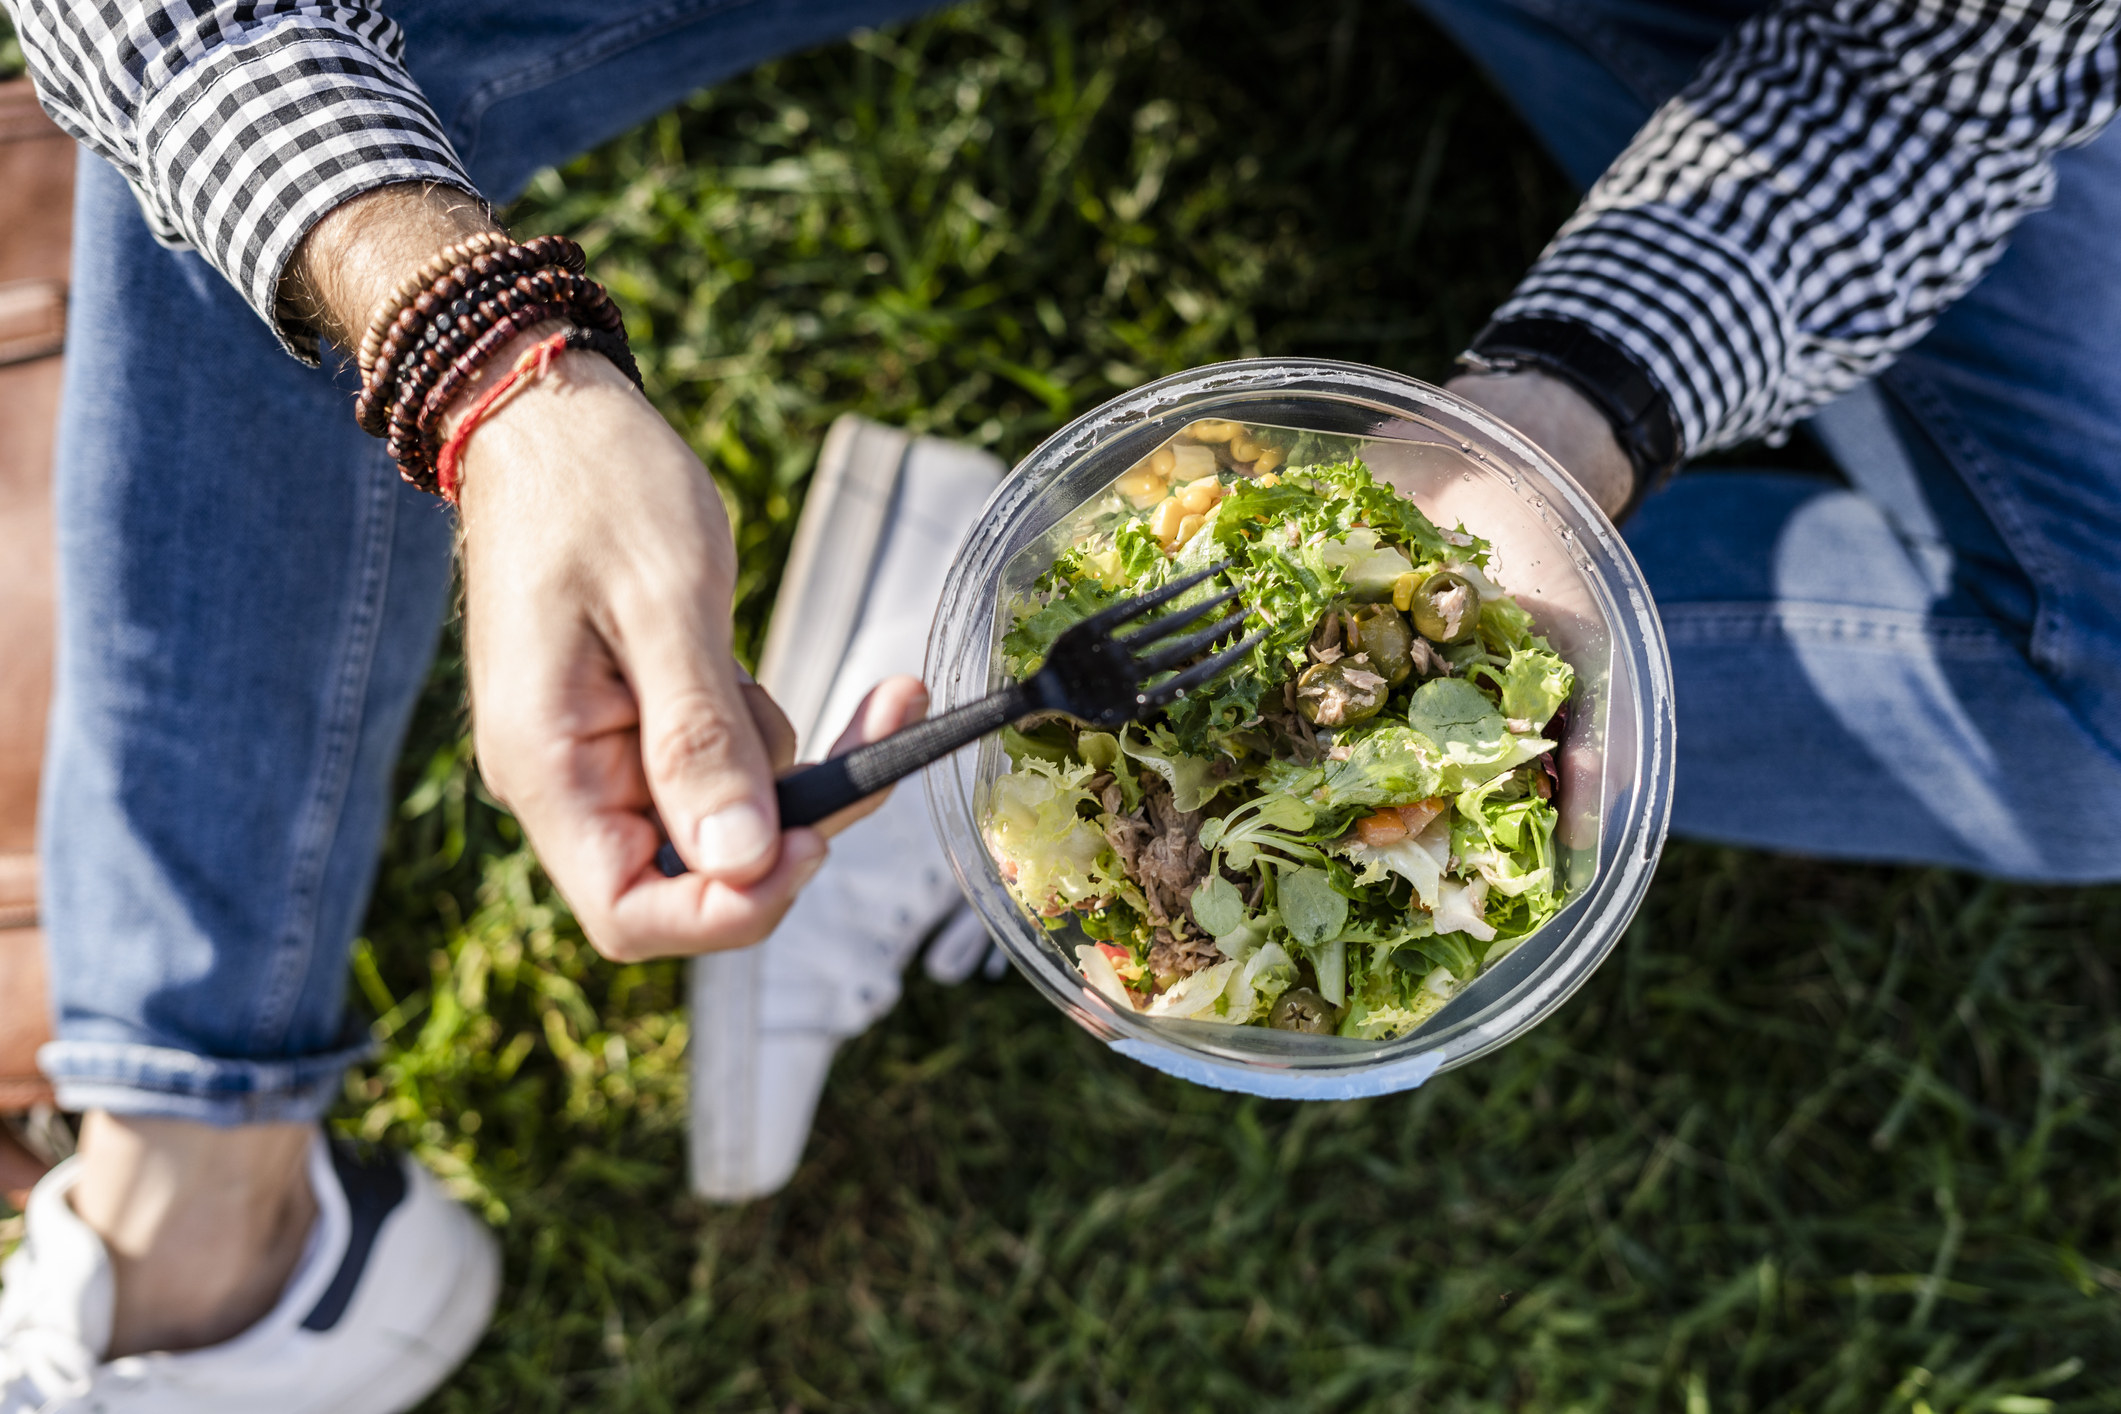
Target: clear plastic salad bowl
{"x": 1552, "y": 549}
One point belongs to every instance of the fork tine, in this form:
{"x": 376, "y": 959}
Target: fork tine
{"x": 1172, "y": 623}
{"x": 1134, "y": 608}
{"x": 1169, "y": 689}
{"x": 1186, "y": 647}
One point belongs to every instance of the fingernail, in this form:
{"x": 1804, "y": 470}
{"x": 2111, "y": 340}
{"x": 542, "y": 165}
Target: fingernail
{"x": 733, "y": 838}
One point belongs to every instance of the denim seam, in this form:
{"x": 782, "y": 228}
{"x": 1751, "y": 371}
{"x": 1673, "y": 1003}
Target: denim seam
{"x": 171, "y": 1071}
{"x": 591, "y": 49}
{"x": 318, "y": 828}
{"x": 136, "y": 1079}
{"x": 1741, "y": 621}
{"x": 2050, "y": 648}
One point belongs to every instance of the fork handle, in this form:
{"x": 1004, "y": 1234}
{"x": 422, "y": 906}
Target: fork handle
{"x": 815, "y": 792}
{"x": 809, "y": 795}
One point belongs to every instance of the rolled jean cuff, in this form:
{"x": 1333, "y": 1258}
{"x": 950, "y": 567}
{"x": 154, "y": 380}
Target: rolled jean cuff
{"x": 158, "y": 1082}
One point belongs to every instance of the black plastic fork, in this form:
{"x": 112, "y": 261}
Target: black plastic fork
{"x": 1092, "y": 673}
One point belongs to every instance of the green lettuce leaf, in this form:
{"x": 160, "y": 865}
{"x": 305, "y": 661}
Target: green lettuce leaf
{"x": 1047, "y": 743}
{"x": 1389, "y": 1002}
{"x": 1418, "y": 858}
{"x": 1268, "y": 973}
{"x": 1504, "y": 626}
{"x": 1474, "y": 740}
{"x": 1025, "y": 646}
{"x": 1280, "y": 824}
{"x": 1217, "y": 905}
{"x": 1313, "y": 909}
{"x": 1286, "y": 587}
{"x": 1366, "y": 567}
{"x": 1363, "y": 500}
{"x": 1193, "y": 779}
{"x": 1454, "y": 951}
{"x": 1387, "y": 763}
{"x": 1511, "y": 848}
{"x": 1103, "y": 750}
{"x": 1533, "y": 684}
{"x": 1057, "y": 858}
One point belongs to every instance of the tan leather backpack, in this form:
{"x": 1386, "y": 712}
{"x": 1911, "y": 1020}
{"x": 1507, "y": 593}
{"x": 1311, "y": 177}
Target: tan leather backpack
{"x": 36, "y": 220}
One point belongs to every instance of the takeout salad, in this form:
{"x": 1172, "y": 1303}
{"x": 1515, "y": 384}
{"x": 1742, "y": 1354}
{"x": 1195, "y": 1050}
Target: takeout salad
{"x": 1341, "y": 833}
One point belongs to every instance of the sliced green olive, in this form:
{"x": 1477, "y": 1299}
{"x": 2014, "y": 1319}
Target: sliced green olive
{"x": 1446, "y": 608}
{"x": 1341, "y": 693}
{"x": 1301, "y": 1009}
{"x": 1384, "y": 636}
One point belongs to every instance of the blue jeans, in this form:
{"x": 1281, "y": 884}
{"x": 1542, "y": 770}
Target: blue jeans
{"x": 1924, "y": 665}
{"x": 1912, "y": 670}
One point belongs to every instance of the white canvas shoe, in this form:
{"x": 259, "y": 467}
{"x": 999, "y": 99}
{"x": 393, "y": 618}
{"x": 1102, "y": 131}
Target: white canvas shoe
{"x": 392, "y": 1292}
{"x": 885, "y": 515}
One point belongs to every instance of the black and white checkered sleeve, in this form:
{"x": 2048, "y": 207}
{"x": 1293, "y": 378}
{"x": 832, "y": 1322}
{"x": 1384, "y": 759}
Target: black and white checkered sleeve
{"x": 1836, "y": 175}
{"x": 238, "y": 123}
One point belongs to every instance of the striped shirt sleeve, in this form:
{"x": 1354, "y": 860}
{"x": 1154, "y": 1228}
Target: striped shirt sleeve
{"x": 1836, "y": 175}
{"x": 238, "y": 123}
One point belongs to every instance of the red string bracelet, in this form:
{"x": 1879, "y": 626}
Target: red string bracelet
{"x": 532, "y": 366}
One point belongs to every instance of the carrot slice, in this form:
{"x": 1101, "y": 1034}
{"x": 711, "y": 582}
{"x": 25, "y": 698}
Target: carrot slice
{"x": 1416, "y": 817}
{"x": 1383, "y": 828}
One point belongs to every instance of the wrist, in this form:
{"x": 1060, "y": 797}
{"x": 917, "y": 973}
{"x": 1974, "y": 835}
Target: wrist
{"x": 447, "y": 327}
{"x": 1637, "y": 412}
{"x": 354, "y": 256}
{"x": 1563, "y": 423}
{"x": 498, "y": 441}
{"x": 491, "y": 372}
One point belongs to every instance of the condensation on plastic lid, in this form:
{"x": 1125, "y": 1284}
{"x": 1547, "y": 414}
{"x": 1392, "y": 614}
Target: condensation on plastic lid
{"x": 1390, "y": 1079}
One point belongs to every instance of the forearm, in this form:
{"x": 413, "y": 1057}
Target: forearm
{"x": 352, "y": 259}
{"x": 1836, "y": 175}
{"x": 1563, "y": 423}
{"x": 150, "y": 84}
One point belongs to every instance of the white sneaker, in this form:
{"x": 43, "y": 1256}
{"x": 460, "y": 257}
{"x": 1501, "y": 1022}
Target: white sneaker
{"x": 392, "y": 1292}
{"x": 884, "y": 519}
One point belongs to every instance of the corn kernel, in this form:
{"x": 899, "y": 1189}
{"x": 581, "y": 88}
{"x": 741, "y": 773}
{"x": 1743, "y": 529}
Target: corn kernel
{"x": 1269, "y": 479}
{"x": 1141, "y": 487}
{"x": 1211, "y": 430}
{"x": 1269, "y": 458}
{"x": 1200, "y": 495}
{"x": 1190, "y": 527}
{"x": 1243, "y": 448}
{"x": 1164, "y": 523}
{"x": 1163, "y": 461}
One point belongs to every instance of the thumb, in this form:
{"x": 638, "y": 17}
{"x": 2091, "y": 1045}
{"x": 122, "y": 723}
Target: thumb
{"x": 709, "y": 770}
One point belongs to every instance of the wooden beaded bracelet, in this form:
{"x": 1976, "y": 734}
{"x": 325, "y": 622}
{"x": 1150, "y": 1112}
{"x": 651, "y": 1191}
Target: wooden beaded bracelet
{"x": 415, "y": 454}
{"x": 413, "y": 443}
{"x": 470, "y": 253}
{"x": 583, "y": 301}
{"x": 409, "y": 288}
{"x": 439, "y": 323}
{"x": 428, "y": 366}
{"x": 409, "y": 432}
{"x": 444, "y": 323}
{"x": 447, "y": 335}
{"x": 413, "y": 313}
{"x": 448, "y": 288}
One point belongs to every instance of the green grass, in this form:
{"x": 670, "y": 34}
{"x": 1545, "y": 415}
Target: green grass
{"x": 1815, "y": 1139}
